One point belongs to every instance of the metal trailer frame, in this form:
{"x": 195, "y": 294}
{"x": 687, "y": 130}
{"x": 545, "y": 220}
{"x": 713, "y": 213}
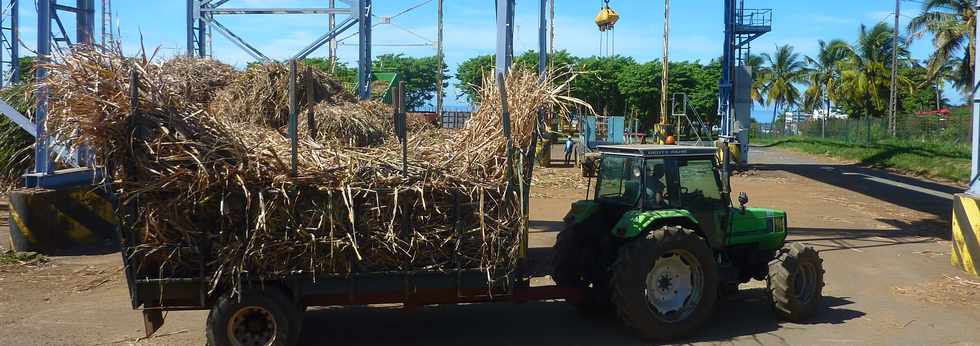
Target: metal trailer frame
{"x": 202, "y": 19}
{"x": 156, "y": 295}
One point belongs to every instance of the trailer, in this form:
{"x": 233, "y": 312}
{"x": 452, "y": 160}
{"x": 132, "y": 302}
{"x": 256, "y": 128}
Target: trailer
{"x": 270, "y": 312}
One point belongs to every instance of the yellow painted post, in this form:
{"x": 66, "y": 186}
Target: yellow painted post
{"x": 966, "y": 232}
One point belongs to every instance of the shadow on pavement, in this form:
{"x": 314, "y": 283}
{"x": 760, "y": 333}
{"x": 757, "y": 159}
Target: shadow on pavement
{"x": 748, "y": 313}
{"x": 539, "y": 323}
{"x": 924, "y": 196}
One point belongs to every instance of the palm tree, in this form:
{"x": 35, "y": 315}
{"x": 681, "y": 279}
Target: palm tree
{"x": 952, "y": 24}
{"x": 784, "y": 71}
{"x": 758, "y": 81}
{"x": 824, "y": 75}
{"x": 867, "y": 71}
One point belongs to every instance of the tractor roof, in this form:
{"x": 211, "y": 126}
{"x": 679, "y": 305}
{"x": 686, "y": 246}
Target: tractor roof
{"x": 656, "y": 150}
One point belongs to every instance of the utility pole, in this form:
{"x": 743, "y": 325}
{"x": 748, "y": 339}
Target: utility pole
{"x": 332, "y": 23}
{"x": 551, "y": 33}
{"x": 666, "y": 76}
{"x": 441, "y": 63}
{"x": 893, "y": 102}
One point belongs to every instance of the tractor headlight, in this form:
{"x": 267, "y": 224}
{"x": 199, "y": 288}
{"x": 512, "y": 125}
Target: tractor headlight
{"x": 779, "y": 224}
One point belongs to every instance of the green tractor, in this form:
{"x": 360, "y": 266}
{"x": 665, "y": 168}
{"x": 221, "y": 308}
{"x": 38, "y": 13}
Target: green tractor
{"x": 660, "y": 241}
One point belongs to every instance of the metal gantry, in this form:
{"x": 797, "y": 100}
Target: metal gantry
{"x": 975, "y": 125}
{"x": 9, "y": 43}
{"x": 49, "y": 14}
{"x": 202, "y": 19}
{"x": 742, "y": 26}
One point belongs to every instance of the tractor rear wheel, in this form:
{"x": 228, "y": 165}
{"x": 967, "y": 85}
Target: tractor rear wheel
{"x": 795, "y": 283}
{"x": 573, "y": 266}
{"x": 665, "y": 284}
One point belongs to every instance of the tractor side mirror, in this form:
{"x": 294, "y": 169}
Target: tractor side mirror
{"x": 743, "y": 199}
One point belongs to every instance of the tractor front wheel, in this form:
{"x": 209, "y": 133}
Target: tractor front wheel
{"x": 795, "y": 282}
{"x": 665, "y": 284}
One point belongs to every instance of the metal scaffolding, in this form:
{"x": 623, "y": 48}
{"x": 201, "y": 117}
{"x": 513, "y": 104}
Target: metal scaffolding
{"x": 202, "y": 19}
{"x": 108, "y": 40}
{"x": 49, "y": 14}
{"x": 9, "y": 43}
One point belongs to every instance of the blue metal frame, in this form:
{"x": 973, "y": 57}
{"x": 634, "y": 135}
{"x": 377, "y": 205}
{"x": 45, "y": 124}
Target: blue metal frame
{"x": 364, "y": 10}
{"x": 44, "y": 175}
{"x": 10, "y": 43}
{"x": 742, "y": 26}
{"x": 975, "y": 152}
{"x": 201, "y": 19}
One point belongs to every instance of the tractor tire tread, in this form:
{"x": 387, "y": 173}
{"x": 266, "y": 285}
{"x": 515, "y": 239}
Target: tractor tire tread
{"x": 779, "y": 283}
{"x": 622, "y": 300}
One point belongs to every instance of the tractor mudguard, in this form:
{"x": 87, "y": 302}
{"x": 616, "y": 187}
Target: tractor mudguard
{"x": 581, "y": 211}
{"x": 763, "y": 227}
{"x": 635, "y": 222}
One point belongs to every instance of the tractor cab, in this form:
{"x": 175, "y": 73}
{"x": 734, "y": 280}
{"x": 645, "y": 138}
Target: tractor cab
{"x": 666, "y": 178}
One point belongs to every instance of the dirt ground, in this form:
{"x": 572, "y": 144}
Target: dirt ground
{"x": 884, "y": 238}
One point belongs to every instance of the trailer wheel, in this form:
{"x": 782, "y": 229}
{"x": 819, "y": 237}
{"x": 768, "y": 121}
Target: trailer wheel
{"x": 665, "y": 284}
{"x": 572, "y": 267}
{"x": 795, "y": 283}
{"x": 262, "y": 318}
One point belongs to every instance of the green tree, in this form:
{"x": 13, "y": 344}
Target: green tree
{"x": 340, "y": 70}
{"x": 785, "y": 72}
{"x": 598, "y": 83}
{"x": 823, "y": 77}
{"x": 469, "y": 74}
{"x": 952, "y": 24}
{"x": 917, "y": 99}
{"x": 866, "y": 72}
{"x": 758, "y": 73}
{"x": 419, "y": 74}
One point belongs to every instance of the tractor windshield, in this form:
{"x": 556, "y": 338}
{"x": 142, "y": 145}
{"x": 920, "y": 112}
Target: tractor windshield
{"x": 619, "y": 180}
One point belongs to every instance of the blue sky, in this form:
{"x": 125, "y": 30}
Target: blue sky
{"x": 697, "y": 27}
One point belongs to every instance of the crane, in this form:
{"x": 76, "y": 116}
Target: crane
{"x": 606, "y": 20}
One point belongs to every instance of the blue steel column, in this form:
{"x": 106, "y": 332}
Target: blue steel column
{"x": 190, "y": 28}
{"x": 15, "y": 41}
{"x": 85, "y": 22}
{"x": 42, "y": 162}
{"x": 543, "y": 41}
{"x": 505, "y": 35}
{"x": 203, "y": 29}
{"x": 727, "y": 62}
{"x": 364, "y": 49}
{"x": 975, "y": 166}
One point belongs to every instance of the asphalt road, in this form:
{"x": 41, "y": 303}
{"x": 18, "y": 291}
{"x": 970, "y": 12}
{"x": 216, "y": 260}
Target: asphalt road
{"x": 884, "y": 238}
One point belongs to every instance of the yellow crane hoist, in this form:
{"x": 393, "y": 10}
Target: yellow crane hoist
{"x": 607, "y": 17}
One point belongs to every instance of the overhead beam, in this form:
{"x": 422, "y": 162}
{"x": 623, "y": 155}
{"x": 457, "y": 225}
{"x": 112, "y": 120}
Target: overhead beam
{"x": 238, "y": 41}
{"x": 328, "y": 37}
{"x": 229, "y": 11}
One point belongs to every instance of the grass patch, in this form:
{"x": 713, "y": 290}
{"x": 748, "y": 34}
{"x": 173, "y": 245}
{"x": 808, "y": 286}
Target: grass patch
{"x": 13, "y": 257}
{"x": 934, "y": 160}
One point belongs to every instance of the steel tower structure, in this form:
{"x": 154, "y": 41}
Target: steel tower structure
{"x": 202, "y": 19}
{"x": 742, "y": 26}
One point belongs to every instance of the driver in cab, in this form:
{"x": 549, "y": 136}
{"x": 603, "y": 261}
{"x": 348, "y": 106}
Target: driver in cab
{"x": 655, "y": 185}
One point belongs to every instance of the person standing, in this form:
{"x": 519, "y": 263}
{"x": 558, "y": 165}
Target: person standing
{"x": 569, "y": 148}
